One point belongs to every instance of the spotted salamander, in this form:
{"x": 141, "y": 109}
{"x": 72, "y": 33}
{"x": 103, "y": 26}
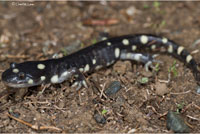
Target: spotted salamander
{"x": 94, "y": 57}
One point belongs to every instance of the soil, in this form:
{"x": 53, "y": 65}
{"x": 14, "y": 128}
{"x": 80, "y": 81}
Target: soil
{"x": 39, "y": 30}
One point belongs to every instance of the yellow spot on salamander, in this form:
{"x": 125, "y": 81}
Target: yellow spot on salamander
{"x": 125, "y": 42}
{"x": 42, "y": 78}
{"x": 54, "y": 79}
{"x": 170, "y": 49}
{"x": 180, "y": 49}
{"x": 164, "y": 40}
{"x": 40, "y": 66}
{"x": 188, "y": 58}
{"x": 30, "y": 81}
{"x": 144, "y": 39}
{"x": 134, "y": 47}
{"x": 117, "y": 52}
{"x": 108, "y": 43}
{"x": 15, "y": 70}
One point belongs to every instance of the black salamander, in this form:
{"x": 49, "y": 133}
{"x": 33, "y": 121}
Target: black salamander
{"x": 94, "y": 57}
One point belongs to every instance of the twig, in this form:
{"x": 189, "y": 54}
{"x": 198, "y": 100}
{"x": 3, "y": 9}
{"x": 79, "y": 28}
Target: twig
{"x": 36, "y": 127}
{"x": 153, "y": 109}
{"x": 197, "y": 42}
{"x": 193, "y": 118}
{"x": 198, "y": 107}
{"x": 100, "y": 22}
{"x": 17, "y": 56}
{"x": 181, "y": 92}
{"x": 190, "y": 105}
{"x": 195, "y": 51}
{"x": 163, "y": 81}
{"x": 102, "y": 92}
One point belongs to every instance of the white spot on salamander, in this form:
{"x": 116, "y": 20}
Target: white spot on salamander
{"x": 40, "y": 66}
{"x": 94, "y": 61}
{"x": 144, "y": 39}
{"x": 30, "y": 81}
{"x": 15, "y": 70}
{"x": 134, "y": 47}
{"x": 87, "y": 68}
{"x": 188, "y": 58}
{"x": 54, "y": 79}
{"x": 125, "y": 42}
{"x": 81, "y": 69}
{"x": 170, "y": 49}
{"x": 104, "y": 38}
{"x": 42, "y": 78}
{"x": 117, "y": 52}
{"x": 180, "y": 49}
{"x": 153, "y": 47}
{"x": 108, "y": 43}
{"x": 164, "y": 40}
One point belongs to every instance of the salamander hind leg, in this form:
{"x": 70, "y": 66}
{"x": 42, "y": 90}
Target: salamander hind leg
{"x": 146, "y": 59}
{"x": 80, "y": 80}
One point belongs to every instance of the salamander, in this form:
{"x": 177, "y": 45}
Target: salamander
{"x": 94, "y": 57}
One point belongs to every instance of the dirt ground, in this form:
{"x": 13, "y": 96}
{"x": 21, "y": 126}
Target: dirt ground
{"x": 38, "y": 30}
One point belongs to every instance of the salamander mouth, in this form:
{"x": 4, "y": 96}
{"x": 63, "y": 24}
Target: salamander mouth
{"x": 20, "y": 85}
{"x": 17, "y": 85}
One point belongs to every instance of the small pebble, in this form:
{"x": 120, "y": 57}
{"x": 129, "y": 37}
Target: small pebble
{"x": 99, "y": 118}
{"x": 176, "y": 123}
{"x": 161, "y": 89}
{"x": 74, "y": 46}
{"x": 113, "y": 88}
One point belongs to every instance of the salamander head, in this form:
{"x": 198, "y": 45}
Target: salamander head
{"x": 25, "y": 74}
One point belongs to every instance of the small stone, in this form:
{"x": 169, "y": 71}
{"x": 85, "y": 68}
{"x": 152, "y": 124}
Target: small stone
{"x": 113, "y": 88}
{"x": 99, "y": 118}
{"x": 176, "y": 123}
{"x": 161, "y": 89}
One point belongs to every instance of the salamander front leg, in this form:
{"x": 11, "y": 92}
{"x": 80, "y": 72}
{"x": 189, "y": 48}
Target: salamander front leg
{"x": 147, "y": 59}
{"x": 69, "y": 74}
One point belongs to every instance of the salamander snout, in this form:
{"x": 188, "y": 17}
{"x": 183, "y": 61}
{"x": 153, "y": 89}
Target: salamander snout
{"x": 13, "y": 78}
{"x": 19, "y": 76}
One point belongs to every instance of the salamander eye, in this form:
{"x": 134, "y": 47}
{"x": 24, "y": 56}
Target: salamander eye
{"x": 21, "y": 75}
{"x": 13, "y": 65}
